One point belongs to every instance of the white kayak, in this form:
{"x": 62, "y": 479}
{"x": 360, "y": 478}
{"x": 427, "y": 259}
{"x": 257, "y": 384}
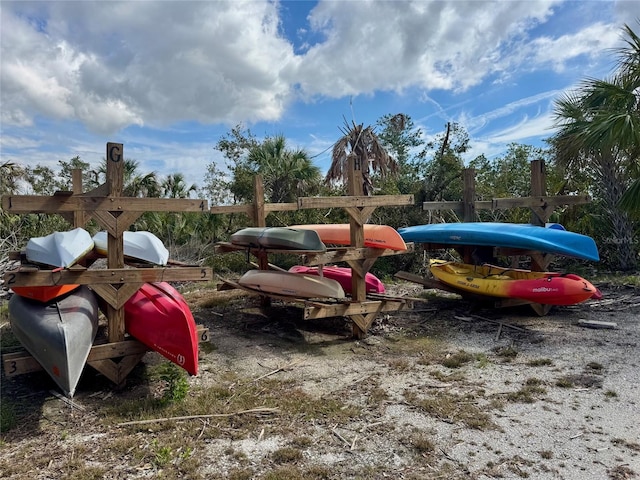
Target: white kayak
{"x": 292, "y": 284}
{"x": 59, "y": 335}
{"x": 59, "y": 249}
{"x": 143, "y": 246}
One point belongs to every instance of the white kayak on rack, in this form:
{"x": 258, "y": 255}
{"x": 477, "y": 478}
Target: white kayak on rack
{"x": 143, "y": 246}
{"x": 291, "y": 284}
{"x": 59, "y": 249}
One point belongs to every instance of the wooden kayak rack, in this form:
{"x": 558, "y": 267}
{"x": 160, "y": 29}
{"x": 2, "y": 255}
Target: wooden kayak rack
{"x": 541, "y": 206}
{"x": 361, "y": 311}
{"x": 118, "y": 355}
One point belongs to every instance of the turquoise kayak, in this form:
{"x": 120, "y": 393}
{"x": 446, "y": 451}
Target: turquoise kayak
{"x": 506, "y": 235}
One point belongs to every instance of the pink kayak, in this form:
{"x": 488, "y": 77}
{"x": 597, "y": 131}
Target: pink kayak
{"x": 343, "y": 276}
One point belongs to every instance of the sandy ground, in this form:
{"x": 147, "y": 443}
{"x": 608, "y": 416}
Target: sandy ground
{"x": 533, "y": 397}
{"x": 582, "y": 421}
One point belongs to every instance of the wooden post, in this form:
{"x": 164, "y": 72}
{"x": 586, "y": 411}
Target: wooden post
{"x": 469, "y": 194}
{"x": 539, "y": 215}
{"x": 259, "y": 217}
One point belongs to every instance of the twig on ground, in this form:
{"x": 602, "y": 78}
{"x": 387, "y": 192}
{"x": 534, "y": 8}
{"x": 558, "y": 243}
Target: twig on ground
{"x": 66, "y": 400}
{"x": 335, "y": 432}
{"x": 192, "y": 417}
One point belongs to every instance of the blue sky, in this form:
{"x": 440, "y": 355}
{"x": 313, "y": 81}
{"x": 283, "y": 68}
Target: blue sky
{"x": 169, "y": 78}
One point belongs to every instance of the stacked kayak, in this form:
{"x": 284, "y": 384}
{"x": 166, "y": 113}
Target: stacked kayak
{"x": 343, "y": 276}
{"x": 507, "y": 235}
{"x": 278, "y": 238}
{"x": 58, "y": 334}
{"x": 375, "y": 236}
{"x": 158, "y": 316}
{"x": 141, "y": 245}
{"x": 291, "y": 284}
{"x": 547, "y": 288}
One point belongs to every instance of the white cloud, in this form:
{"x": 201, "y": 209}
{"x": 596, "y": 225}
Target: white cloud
{"x": 116, "y": 64}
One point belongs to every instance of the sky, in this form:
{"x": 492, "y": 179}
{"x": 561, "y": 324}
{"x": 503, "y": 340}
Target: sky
{"x": 168, "y": 79}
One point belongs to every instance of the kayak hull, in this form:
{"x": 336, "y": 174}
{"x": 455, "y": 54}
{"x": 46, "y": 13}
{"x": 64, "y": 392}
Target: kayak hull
{"x": 58, "y": 335}
{"x": 141, "y": 245}
{"x": 59, "y": 249}
{"x": 343, "y": 276}
{"x": 548, "y": 288}
{"x": 291, "y": 284}
{"x": 44, "y": 294}
{"x": 507, "y": 235}
{"x": 375, "y": 236}
{"x": 278, "y": 238}
{"x": 158, "y": 316}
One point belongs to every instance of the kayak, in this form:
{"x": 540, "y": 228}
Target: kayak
{"x": 507, "y": 235}
{"x": 44, "y": 294}
{"x": 375, "y": 236}
{"x": 140, "y": 245}
{"x": 343, "y": 276}
{"x": 59, "y": 249}
{"x": 548, "y": 288}
{"x": 59, "y": 335}
{"x": 291, "y": 284}
{"x": 158, "y": 316}
{"x": 278, "y": 238}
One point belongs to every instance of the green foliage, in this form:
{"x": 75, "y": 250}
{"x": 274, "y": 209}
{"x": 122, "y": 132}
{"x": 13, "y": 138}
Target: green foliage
{"x": 8, "y": 417}
{"x": 177, "y": 386}
{"x": 599, "y": 131}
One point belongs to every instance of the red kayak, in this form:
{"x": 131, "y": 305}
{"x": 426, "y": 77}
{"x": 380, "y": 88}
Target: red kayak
{"x": 343, "y": 276}
{"x": 158, "y": 316}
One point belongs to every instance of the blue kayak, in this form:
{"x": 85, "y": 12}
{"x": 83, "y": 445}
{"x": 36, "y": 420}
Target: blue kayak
{"x": 508, "y": 235}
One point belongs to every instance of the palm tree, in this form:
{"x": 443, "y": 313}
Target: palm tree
{"x": 174, "y": 186}
{"x": 134, "y": 183}
{"x": 10, "y": 175}
{"x": 287, "y": 174}
{"x": 367, "y": 151}
{"x": 599, "y": 128}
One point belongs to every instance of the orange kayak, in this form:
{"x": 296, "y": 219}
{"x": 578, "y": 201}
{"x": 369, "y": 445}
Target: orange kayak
{"x": 375, "y": 236}
{"x": 44, "y": 294}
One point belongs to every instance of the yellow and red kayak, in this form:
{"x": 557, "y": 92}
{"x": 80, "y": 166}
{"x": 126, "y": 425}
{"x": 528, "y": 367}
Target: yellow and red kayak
{"x": 375, "y": 236}
{"x": 548, "y": 288}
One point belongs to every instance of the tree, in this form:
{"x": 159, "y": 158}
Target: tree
{"x": 363, "y": 144}
{"x": 287, "y": 174}
{"x": 174, "y": 186}
{"x": 443, "y": 174}
{"x": 599, "y": 129}
{"x": 134, "y": 183}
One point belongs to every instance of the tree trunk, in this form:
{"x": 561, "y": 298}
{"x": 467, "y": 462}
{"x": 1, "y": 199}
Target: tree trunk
{"x": 621, "y": 226}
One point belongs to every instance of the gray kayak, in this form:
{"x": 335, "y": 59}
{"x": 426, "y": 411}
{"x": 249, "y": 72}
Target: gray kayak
{"x": 279, "y": 238}
{"x": 59, "y": 335}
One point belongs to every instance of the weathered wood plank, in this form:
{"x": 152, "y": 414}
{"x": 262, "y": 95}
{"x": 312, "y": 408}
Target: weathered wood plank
{"x": 349, "y": 309}
{"x": 57, "y": 204}
{"x": 355, "y": 201}
{"x": 19, "y": 278}
{"x": 18, "y": 363}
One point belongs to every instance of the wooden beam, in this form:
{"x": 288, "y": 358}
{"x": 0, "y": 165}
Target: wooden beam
{"x": 507, "y": 203}
{"x": 355, "y": 201}
{"x": 355, "y": 308}
{"x": 58, "y": 204}
{"x": 108, "y": 276}
{"x": 350, "y": 253}
{"x": 21, "y": 362}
